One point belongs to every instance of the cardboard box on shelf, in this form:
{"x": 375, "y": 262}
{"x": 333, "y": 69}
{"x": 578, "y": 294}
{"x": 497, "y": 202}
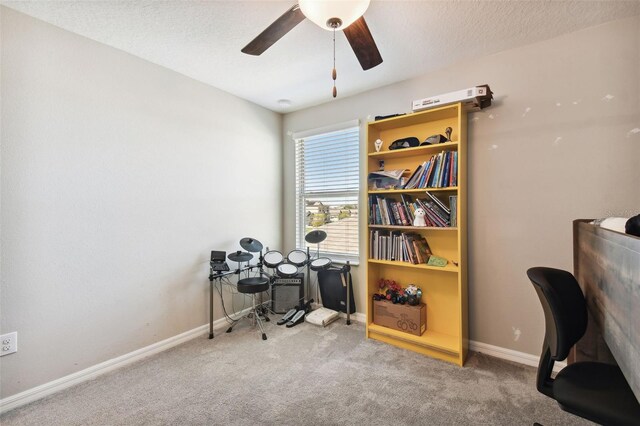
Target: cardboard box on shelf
{"x": 410, "y": 319}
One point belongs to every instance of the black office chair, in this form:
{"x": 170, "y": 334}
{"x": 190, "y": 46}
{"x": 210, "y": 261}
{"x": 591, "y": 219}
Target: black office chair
{"x": 592, "y": 390}
{"x": 254, "y": 286}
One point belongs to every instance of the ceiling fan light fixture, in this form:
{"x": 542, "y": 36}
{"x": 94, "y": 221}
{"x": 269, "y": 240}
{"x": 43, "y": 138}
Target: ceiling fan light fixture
{"x": 323, "y": 13}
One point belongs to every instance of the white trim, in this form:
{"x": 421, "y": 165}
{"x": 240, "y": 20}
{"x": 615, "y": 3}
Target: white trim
{"x": 357, "y": 317}
{"x": 511, "y": 355}
{"x": 325, "y": 129}
{"x": 65, "y": 382}
{"x": 485, "y": 348}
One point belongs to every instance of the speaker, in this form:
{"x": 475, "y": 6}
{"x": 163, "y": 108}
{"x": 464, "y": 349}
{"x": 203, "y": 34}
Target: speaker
{"x": 287, "y": 293}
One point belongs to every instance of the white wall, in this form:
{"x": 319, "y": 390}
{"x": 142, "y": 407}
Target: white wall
{"x": 561, "y": 142}
{"x": 118, "y": 178}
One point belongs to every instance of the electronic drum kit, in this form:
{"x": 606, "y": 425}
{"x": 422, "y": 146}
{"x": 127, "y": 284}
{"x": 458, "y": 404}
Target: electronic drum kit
{"x": 282, "y": 267}
{"x": 296, "y": 259}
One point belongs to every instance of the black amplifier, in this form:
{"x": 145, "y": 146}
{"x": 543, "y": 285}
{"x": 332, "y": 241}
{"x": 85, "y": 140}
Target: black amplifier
{"x": 287, "y": 293}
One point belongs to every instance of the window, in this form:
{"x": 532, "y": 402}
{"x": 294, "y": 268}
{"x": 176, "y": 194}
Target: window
{"x": 327, "y": 180}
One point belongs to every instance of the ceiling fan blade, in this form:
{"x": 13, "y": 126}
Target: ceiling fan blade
{"x": 363, "y": 45}
{"x": 275, "y": 31}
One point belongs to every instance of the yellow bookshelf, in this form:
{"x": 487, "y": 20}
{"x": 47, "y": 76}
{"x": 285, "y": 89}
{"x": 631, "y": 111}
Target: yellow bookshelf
{"x": 444, "y": 288}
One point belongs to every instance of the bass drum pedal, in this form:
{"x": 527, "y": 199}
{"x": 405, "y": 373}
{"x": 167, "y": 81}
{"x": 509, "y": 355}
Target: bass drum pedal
{"x": 286, "y": 317}
{"x": 297, "y": 318}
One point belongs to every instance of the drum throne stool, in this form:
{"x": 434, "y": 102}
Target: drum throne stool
{"x": 254, "y": 286}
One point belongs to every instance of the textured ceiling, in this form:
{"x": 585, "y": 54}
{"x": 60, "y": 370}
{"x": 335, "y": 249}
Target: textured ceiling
{"x": 202, "y": 39}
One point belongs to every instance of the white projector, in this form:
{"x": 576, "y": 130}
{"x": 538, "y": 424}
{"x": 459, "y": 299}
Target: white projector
{"x": 477, "y": 97}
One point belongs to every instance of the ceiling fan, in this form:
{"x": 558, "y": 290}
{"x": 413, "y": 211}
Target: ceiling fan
{"x": 330, "y": 15}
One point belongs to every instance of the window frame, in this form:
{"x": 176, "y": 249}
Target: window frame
{"x": 301, "y": 195}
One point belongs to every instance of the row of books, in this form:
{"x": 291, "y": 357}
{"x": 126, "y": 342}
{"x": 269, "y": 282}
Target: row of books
{"x": 398, "y": 246}
{"x": 388, "y": 211}
{"x": 439, "y": 172}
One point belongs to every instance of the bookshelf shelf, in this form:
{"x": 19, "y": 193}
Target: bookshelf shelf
{"x": 418, "y": 150}
{"x": 448, "y": 268}
{"x": 429, "y": 338}
{"x": 417, "y": 118}
{"x": 412, "y": 191}
{"x": 444, "y": 289}
{"x": 414, "y": 228}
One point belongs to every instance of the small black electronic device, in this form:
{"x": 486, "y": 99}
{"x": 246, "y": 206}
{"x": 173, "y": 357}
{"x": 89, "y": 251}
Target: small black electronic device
{"x": 218, "y": 261}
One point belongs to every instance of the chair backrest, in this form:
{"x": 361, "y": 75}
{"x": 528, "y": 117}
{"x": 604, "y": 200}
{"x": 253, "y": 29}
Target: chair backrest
{"x": 564, "y": 307}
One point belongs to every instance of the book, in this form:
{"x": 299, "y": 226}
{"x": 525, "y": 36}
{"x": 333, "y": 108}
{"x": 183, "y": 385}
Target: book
{"x": 381, "y": 211}
{"x": 385, "y": 212}
{"x": 428, "y": 172}
{"x": 436, "y": 210}
{"x": 411, "y": 182}
{"x": 440, "y": 204}
{"x": 425, "y": 246}
{"x": 445, "y": 169}
{"x": 437, "y": 220}
{"x": 403, "y": 214}
{"x": 392, "y": 215}
{"x": 453, "y": 160}
{"x": 423, "y": 250}
{"x": 434, "y": 176}
{"x": 398, "y": 246}
{"x": 414, "y": 242}
{"x": 453, "y": 202}
{"x": 410, "y": 215}
{"x": 455, "y": 168}
{"x": 445, "y": 173}
{"x": 417, "y": 251}
{"x": 396, "y": 213}
{"x": 441, "y": 160}
{"x": 410, "y": 238}
{"x": 433, "y": 219}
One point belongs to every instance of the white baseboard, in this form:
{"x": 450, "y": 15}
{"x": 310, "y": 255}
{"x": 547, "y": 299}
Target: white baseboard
{"x": 511, "y": 355}
{"x": 57, "y": 385}
{"x": 357, "y": 317}
{"x": 494, "y": 351}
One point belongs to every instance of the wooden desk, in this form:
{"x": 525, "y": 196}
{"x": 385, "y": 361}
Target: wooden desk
{"x": 607, "y": 266}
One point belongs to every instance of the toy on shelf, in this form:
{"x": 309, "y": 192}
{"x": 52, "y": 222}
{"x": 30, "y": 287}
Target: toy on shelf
{"x": 419, "y": 215}
{"x": 392, "y": 291}
{"x": 413, "y": 294}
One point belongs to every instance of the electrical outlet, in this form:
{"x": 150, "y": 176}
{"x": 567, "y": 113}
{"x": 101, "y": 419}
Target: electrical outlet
{"x": 8, "y": 343}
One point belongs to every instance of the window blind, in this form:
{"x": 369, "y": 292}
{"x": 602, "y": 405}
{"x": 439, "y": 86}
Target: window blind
{"x": 327, "y": 180}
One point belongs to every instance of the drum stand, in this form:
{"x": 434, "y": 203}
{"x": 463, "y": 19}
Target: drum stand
{"x": 347, "y": 281}
{"x": 307, "y": 280}
{"x": 263, "y": 309}
{"x": 317, "y": 280}
{"x": 216, "y": 275}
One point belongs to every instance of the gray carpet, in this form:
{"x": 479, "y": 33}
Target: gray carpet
{"x": 303, "y": 375}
